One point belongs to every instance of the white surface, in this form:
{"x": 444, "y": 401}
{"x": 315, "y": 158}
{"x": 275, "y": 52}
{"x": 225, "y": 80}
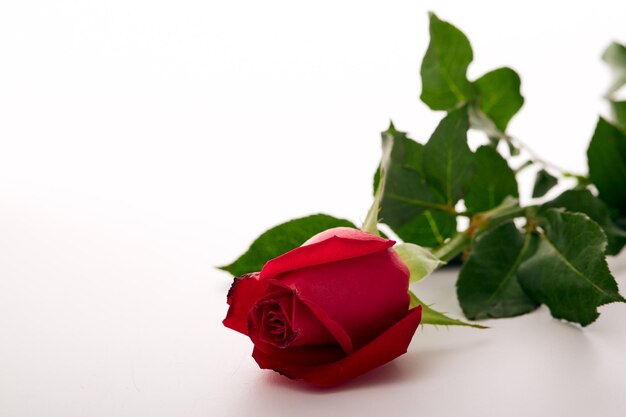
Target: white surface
{"x": 143, "y": 142}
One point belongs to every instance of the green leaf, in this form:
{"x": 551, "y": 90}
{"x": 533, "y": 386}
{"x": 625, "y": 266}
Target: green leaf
{"x": 568, "y": 271}
{"x": 421, "y": 262}
{"x": 434, "y": 317}
{"x": 410, "y": 206}
{"x": 488, "y": 285}
{"x": 499, "y": 95}
{"x": 493, "y": 182}
{"x": 615, "y": 56}
{"x": 281, "y": 239}
{"x": 448, "y": 162}
{"x": 582, "y": 201}
{"x": 406, "y": 196}
{"x": 406, "y": 152}
{"x": 618, "y": 108}
{"x": 401, "y": 152}
{"x": 543, "y": 183}
{"x": 431, "y": 228}
{"x": 444, "y": 68}
{"x": 606, "y": 156}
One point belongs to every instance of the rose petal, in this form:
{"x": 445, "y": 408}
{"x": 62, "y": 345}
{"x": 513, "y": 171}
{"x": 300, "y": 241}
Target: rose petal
{"x": 334, "y": 328}
{"x": 243, "y": 294}
{"x": 311, "y": 328}
{"x": 336, "y": 244}
{"x": 307, "y": 356}
{"x": 364, "y": 295}
{"x": 345, "y": 232}
{"x": 386, "y": 347}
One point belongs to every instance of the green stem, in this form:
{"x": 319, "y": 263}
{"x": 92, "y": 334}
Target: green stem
{"x": 457, "y": 244}
{"x": 481, "y": 222}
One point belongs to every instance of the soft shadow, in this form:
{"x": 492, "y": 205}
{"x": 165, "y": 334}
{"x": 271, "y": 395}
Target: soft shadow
{"x": 412, "y": 365}
{"x": 384, "y": 375}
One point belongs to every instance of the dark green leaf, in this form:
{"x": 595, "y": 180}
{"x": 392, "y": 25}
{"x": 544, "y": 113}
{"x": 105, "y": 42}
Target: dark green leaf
{"x": 430, "y": 228}
{"x": 618, "y": 108}
{"x": 406, "y": 196}
{"x": 435, "y": 318}
{"x": 494, "y": 180}
{"x": 499, "y": 95}
{"x": 410, "y": 206}
{"x": 488, "y": 285}
{"x": 448, "y": 162}
{"x": 444, "y": 68}
{"x": 582, "y": 201}
{"x": 543, "y": 183}
{"x": 281, "y": 239}
{"x": 607, "y": 164}
{"x": 405, "y": 152}
{"x": 615, "y": 56}
{"x": 568, "y": 271}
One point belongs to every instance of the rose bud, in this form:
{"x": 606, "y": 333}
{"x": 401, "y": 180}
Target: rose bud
{"x": 329, "y": 310}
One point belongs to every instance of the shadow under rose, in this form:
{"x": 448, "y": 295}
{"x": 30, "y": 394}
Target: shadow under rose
{"x": 414, "y": 364}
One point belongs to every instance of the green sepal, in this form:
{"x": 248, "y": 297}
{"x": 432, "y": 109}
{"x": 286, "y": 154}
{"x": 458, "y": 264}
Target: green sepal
{"x": 436, "y": 318}
{"x": 420, "y": 261}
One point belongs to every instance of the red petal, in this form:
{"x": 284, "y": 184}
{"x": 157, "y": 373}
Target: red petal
{"x": 243, "y": 294}
{"x": 386, "y": 347}
{"x": 364, "y": 296}
{"x": 345, "y": 232}
{"x": 334, "y": 328}
{"x": 329, "y": 246}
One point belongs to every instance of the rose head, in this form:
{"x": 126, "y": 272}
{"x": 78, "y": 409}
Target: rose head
{"x": 327, "y": 311}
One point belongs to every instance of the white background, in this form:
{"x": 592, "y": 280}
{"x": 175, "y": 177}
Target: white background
{"x": 144, "y": 142}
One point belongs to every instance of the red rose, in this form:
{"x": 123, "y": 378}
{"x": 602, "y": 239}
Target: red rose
{"x": 328, "y": 311}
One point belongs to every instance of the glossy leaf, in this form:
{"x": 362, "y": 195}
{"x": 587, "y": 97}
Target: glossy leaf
{"x": 410, "y": 206}
{"x": 499, "y": 95}
{"x": 568, "y": 271}
{"x": 448, "y": 162}
{"x": 487, "y": 285}
{"x": 606, "y": 157}
{"x": 582, "y": 201}
{"x": 281, "y": 239}
{"x": 431, "y": 228}
{"x": 444, "y": 68}
{"x": 543, "y": 183}
{"x": 493, "y": 181}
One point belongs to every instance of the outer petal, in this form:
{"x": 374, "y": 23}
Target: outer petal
{"x": 344, "y": 232}
{"x": 364, "y": 296}
{"x": 329, "y": 246}
{"x": 386, "y": 347}
{"x": 244, "y": 293}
